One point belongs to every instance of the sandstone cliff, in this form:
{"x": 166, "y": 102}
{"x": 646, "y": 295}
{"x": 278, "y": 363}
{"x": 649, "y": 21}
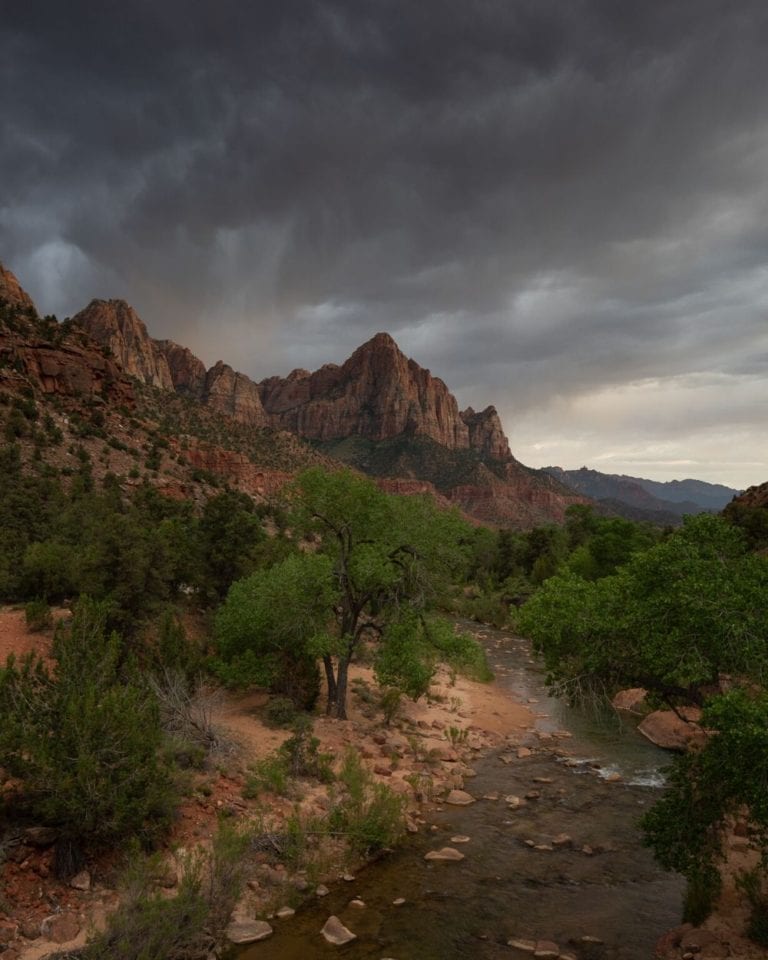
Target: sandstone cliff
{"x": 12, "y": 292}
{"x": 235, "y": 395}
{"x": 187, "y": 372}
{"x": 486, "y": 435}
{"x": 115, "y": 325}
{"x": 378, "y": 393}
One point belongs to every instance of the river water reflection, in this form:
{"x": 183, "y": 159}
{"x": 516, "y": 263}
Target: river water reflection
{"x": 505, "y": 888}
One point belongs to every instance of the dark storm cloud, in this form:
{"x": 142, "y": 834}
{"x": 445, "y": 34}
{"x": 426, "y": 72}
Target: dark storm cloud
{"x": 533, "y": 196}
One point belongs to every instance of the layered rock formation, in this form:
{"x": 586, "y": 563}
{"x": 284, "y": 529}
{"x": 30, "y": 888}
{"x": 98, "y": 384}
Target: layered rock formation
{"x": 55, "y": 359}
{"x": 486, "y": 435}
{"x": 234, "y": 394}
{"x": 12, "y": 292}
{"x": 187, "y": 372}
{"x": 117, "y": 327}
{"x": 378, "y": 393}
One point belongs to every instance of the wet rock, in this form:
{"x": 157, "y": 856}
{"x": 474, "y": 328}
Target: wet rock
{"x": 562, "y": 840}
{"x": 285, "y": 912}
{"x": 629, "y": 700}
{"x": 543, "y": 847}
{"x": 248, "y": 931}
{"x": 543, "y": 780}
{"x": 321, "y": 890}
{"x": 533, "y": 795}
{"x": 335, "y": 932}
{"x": 493, "y": 795}
{"x": 546, "y": 950}
{"x": 445, "y": 853}
{"x": 672, "y": 732}
{"x": 459, "y": 798}
{"x": 524, "y": 946}
{"x": 60, "y": 927}
{"x": 460, "y": 838}
{"x": 398, "y": 902}
{"x": 357, "y": 903}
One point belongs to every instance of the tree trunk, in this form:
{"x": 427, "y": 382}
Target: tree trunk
{"x": 330, "y": 679}
{"x": 341, "y": 688}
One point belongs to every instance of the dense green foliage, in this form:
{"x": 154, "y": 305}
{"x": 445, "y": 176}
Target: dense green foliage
{"x": 672, "y": 619}
{"x": 84, "y": 737}
{"x": 376, "y": 566}
{"x": 683, "y": 619}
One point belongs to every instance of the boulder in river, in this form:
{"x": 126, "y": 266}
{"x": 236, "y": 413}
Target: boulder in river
{"x": 674, "y": 730}
{"x": 445, "y": 853}
{"x": 459, "y": 798}
{"x": 335, "y": 932}
{"x": 630, "y": 700}
{"x": 248, "y": 931}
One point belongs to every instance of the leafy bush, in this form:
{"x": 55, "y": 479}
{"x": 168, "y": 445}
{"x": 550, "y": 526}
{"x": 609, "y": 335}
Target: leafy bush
{"x": 367, "y": 813}
{"x": 280, "y": 712}
{"x": 38, "y": 615}
{"x": 151, "y": 926}
{"x": 84, "y": 739}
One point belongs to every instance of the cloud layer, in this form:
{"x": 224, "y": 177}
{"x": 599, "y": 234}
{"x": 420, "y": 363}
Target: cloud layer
{"x": 560, "y": 206}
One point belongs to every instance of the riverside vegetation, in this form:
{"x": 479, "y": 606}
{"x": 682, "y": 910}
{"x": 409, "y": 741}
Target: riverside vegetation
{"x": 347, "y": 573}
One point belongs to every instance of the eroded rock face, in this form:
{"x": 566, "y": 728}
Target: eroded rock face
{"x": 486, "y": 435}
{"x": 12, "y": 291}
{"x": 187, "y": 372}
{"x": 116, "y": 325}
{"x": 378, "y": 393}
{"x": 235, "y": 395}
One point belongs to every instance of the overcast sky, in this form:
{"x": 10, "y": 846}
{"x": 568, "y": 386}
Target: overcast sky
{"x": 558, "y": 206}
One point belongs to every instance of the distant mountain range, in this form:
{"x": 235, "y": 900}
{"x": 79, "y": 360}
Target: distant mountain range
{"x": 378, "y": 411}
{"x": 641, "y": 499}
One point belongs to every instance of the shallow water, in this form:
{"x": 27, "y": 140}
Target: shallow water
{"x": 504, "y": 888}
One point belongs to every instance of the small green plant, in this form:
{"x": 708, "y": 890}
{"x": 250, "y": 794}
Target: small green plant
{"x": 302, "y": 753}
{"x": 369, "y": 814}
{"x": 456, "y": 735}
{"x": 752, "y": 882}
{"x": 280, "y": 712}
{"x": 390, "y": 702}
{"x": 268, "y": 775}
{"x": 38, "y": 616}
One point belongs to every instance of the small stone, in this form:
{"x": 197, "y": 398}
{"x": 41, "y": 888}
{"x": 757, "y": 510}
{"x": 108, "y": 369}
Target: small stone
{"x": 248, "y": 931}
{"x": 81, "y": 881}
{"x": 357, "y": 903}
{"x": 589, "y": 939}
{"x": 335, "y": 932}
{"x": 524, "y": 946}
{"x": 446, "y": 853}
{"x": 533, "y": 795}
{"x": 561, "y": 840}
{"x": 547, "y": 847}
{"x": 546, "y": 950}
{"x": 347, "y": 878}
{"x": 9, "y": 931}
{"x": 40, "y": 836}
{"x": 523, "y": 752}
{"x": 493, "y": 795}
{"x": 460, "y": 838}
{"x": 60, "y": 927}
{"x": 543, "y": 780}
{"x": 284, "y": 912}
{"x": 586, "y": 849}
{"x": 614, "y": 778}
{"x": 321, "y": 890}
{"x": 398, "y": 902}
{"x": 459, "y": 798}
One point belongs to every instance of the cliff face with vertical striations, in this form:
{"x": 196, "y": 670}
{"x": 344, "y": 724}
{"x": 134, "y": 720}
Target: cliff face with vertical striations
{"x": 11, "y": 290}
{"x": 378, "y": 393}
{"x": 116, "y": 325}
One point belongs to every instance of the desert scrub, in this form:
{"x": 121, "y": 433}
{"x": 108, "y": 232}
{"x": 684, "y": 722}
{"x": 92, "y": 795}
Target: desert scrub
{"x": 38, "y": 616}
{"x": 148, "y": 925}
{"x": 368, "y": 814}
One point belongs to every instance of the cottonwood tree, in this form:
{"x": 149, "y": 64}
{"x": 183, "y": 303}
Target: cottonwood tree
{"x": 371, "y": 560}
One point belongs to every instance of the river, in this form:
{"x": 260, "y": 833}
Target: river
{"x": 612, "y": 892}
